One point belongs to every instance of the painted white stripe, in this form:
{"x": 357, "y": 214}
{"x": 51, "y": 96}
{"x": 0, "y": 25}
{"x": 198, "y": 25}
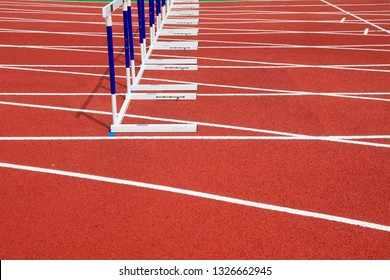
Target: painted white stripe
{"x": 34, "y": 11}
{"x": 77, "y": 110}
{"x": 55, "y": 65}
{"x": 26, "y": 19}
{"x": 202, "y": 195}
{"x": 227, "y": 94}
{"x": 293, "y": 47}
{"x": 204, "y": 84}
{"x": 273, "y": 132}
{"x": 360, "y": 97}
{"x": 294, "y": 66}
{"x": 57, "y": 71}
{"x": 268, "y": 62}
{"x": 273, "y": 46}
{"x": 338, "y": 94}
{"x": 89, "y": 34}
{"x": 357, "y": 17}
{"x": 275, "y": 30}
{"x": 263, "y": 66}
{"x": 344, "y": 33}
{"x": 200, "y": 137}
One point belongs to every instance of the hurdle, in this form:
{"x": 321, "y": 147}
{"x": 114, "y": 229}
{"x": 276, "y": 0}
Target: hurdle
{"x": 182, "y": 4}
{"x": 136, "y": 91}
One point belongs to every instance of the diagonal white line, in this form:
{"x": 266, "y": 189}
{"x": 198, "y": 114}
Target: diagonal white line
{"x": 273, "y": 132}
{"x": 357, "y": 17}
{"x": 202, "y": 195}
{"x": 198, "y": 137}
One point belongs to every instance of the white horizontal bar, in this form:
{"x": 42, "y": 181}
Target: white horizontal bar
{"x": 185, "y": 6}
{"x": 192, "y": 45}
{"x": 164, "y": 87}
{"x": 190, "y": 127}
{"x": 171, "y": 67}
{"x": 111, "y": 7}
{"x": 164, "y": 96}
{"x": 171, "y": 61}
{"x": 185, "y": 1}
{"x": 184, "y": 13}
{"x": 183, "y": 21}
{"x": 178, "y": 32}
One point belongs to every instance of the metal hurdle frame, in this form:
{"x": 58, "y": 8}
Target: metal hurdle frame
{"x": 132, "y": 80}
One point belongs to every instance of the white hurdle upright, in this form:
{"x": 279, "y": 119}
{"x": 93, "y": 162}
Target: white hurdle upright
{"x": 136, "y": 91}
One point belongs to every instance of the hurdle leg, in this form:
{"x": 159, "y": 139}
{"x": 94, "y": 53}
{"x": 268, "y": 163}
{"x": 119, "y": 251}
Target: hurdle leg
{"x": 126, "y": 41}
{"x": 110, "y": 47}
{"x": 163, "y": 9}
{"x": 141, "y": 33}
{"x": 151, "y": 21}
{"x": 131, "y": 40}
{"x": 158, "y": 11}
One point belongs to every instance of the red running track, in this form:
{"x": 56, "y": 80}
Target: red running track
{"x": 298, "y": 74}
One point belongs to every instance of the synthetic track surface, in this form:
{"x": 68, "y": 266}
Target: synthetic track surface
{"x": 291, "y": 159}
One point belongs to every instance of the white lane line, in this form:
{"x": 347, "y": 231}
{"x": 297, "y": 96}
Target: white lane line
{"x": 226, "y": 86}
{"x": 262, "y": 46}
{"x": 245, "y": 5}
{"x": 56, "y": 48}
{"x": 273, "y": 132}
{"x": 359, "y": 97}
{"x": 46, "y": 4}
{"x": 352, "y": 33}
{"x": 352, "y": 95}
{"x": 57, "y": 71}
{"x": 235, "y": 23}
{"x": 268, "y": 94}
{"x": 294, "y": 47}
{"x": 212, "y": 137}
{"x": 272, "y": 63}
{"x": 35, "y": 20}
{"x": 151, "y": 79}
{"x": 33, "y": 11}
{"x": 78, "y": 110}
{"x": 203, "y": 195}
{"x": 357, "y": 17}
{"x": 252, "y": 30}
{"x": 227, "y": 94}
{"x": 89, "y": 34}
{"x": 353, "y": 68}
{"x": 263, "y": 65}
{"x": 55, "y": 65}
{"x": 256, "y": 45}
{"x": 341, "y": 95}
{"x": 198, "y": 83}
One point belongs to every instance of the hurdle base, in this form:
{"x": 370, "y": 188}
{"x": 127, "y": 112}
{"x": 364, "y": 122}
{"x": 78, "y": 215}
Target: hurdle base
{"x": 180, "y": 61}
{"x": 179, "y": 32}
{"x": 154, "y": 128}
{"x": 172, "y": 67}
{"x": 183, "y": 21}
{"x": 187, "y": 45}
{"x": 163, "y": 96}
{"x": 184, "y": 13}
{"x": 185, "y": 1}
{"x": 185, "y": 6}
